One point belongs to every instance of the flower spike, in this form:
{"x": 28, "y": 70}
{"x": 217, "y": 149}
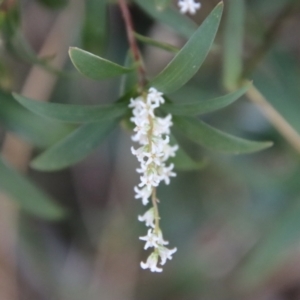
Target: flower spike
{"x": 152, "y": 133}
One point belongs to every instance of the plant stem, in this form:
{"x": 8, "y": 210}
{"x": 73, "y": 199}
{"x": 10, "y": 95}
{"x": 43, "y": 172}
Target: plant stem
{"x": 153, "y": 195}
{"x": 286, "y": 130}
{"x": 133, "y": 43}
{"x": 156, "y": 212}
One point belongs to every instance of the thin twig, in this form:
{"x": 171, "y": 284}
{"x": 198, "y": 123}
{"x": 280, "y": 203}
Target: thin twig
{"x": 133, "y": 43}
{"x": 286, "y": 130}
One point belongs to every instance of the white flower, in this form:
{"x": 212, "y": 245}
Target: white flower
{"x": 160, "y": 239}
{"x": 148, "y": 217}
{"x": 151, "y": 239}
{"x": 154, "y": 157}
{"x": 163, "y": 125}
{"x": 169, "y": 151}
{"x": 154, "y": 98}
{"x": 151, "y": 263}
{"x": 158, "y": 144}
{"x": 166, "y": 173}
{"x": 188, "y": 6}
{"x": 165, "y": 254}
{"x": 143, "y": 193}
{"x": 150, "y": 180}
{"x": 152, "y": 133}
{"x": 139, "y": 153}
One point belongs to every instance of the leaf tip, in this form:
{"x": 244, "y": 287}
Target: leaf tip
{"x": 220, "y": 6}
{"x": 15, "y": 95}
{"x": 71, "y": 51}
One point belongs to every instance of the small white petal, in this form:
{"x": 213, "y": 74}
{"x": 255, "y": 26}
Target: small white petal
{"x": 148, "y": 218}
{"x": 188, "y": 6}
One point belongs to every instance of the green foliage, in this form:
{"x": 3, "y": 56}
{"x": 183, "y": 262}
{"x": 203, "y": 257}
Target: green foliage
{"x": 30, "y": 198}
{"x": 189, "y": 59}
{"x": 128, "y": 81}
{"x": 233, "y": 43}
{"x": 206, "y": 106}
{"x": 31, "y": 127}
{"x": 214, "y": 139}
{"x": 75, "y": 147}
{"x": 95, "y": 67}
{"x": 228, "y": 207}
{"x": 73, "y": 113}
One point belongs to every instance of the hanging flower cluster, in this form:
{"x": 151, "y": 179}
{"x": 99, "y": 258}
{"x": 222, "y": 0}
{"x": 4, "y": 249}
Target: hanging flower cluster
{"x": 152, "y": 133}
{"x": 188, "y": 6}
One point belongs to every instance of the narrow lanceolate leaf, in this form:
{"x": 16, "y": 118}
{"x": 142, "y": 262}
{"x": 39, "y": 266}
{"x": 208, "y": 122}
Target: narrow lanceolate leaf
{"x": 38, "y": 131}
{"x": 74, "y": 147}
{"x": 189, "y": 59}
{"x": 73, "y": 113}
{"x": 29, "y": 197}
{"x": 95, "y": 67}
{"x": 214, "y": 139}
{"x": 203, "y": 107}
{"x": 169, "y": 16}
{"x": 233, "y": 43}
{"x": 128, "y": 81}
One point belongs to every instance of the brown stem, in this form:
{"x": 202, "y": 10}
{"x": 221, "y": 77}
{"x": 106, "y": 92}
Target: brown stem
{"x": 133, "y": 43}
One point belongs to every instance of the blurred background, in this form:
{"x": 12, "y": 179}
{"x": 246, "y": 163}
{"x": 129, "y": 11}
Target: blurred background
{"x": 235, "y": 222}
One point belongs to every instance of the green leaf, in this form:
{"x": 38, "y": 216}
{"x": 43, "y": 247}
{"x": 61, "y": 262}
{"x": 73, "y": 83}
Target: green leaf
{"x": 29, "y": 197}
{"x": 95, "y": 67}
{"x": 74, "y": 147}
{"x": 94, "y": 31}
{"x": 155, "y": 43}
{"x": 128, "y": 81}
{"x": 73, "y": 113}
{"x": 188, "y": 61}
{"x": 233, "y": 43}
{"x": 203, "y": 107}
{"x": 170, "y": 16}
{"x": 162, "y": 4}
{"x": 31, "y": 127}
{"x": 215, "y": 139}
